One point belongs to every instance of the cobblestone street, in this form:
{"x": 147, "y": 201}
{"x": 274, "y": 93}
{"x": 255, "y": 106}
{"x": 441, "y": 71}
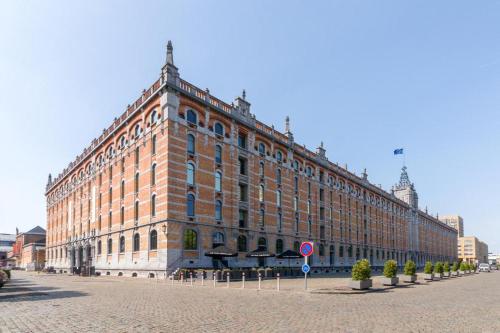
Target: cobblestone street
{"x": 59, "y": 303}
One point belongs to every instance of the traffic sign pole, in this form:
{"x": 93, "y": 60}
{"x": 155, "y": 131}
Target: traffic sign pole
{"x": 305, "y": 274}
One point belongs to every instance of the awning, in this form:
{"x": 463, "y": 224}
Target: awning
{"x": 260, "y": 253}
{"x": 289, "y": 254}
{"x": 221, "y": 251}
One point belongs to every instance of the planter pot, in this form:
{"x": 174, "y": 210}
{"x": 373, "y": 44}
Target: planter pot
{"x": 461, "y": 273}
{"x": 389, "y": 281}
{"x": 409, "y": 278}
{"x": 446, "y": 274}
{"x": 437, "y": 276}
{"x": 454, "y": 274}
{"x": 361, "y": 284}
{"x": 428, "y": 277}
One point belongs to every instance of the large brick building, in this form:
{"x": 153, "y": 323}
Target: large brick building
{"x": 181, "y": 172}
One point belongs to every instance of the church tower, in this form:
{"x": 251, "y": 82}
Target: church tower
{"x": 405, "y": 190}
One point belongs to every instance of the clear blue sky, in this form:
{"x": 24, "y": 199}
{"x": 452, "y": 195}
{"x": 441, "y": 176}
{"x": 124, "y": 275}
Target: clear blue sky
{"x": 364, "y": 77}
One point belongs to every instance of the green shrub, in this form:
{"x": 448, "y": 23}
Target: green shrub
{"x": 428, "y": 268}
{"x": 467, "y": 266}
{"x": 410, "y": 268}
{"x": 473, "y": 267}
{"x": 390, "y": 268}
{"x": 446, "y": 267}
{"x": 438, "y": 267}
{"x": 361, "y": 270}
{"x": 463, "y": 266}
{"x": 454, "y": 268}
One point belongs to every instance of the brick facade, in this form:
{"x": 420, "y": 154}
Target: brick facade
{"x": 171, "y": 146}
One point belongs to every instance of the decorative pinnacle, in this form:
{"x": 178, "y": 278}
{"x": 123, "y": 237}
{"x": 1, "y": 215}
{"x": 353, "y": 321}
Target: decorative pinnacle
{"x": 287, "y": 124}
{"x": 244, "y": 94}
{"x": 170, "y": 53}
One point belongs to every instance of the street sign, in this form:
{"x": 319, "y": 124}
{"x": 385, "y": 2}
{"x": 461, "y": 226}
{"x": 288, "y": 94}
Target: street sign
{"x": 306, "y": 268}
{"x": 306, "y": 249}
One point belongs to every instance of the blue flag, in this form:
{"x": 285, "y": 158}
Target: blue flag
{"x": 398, "y": 151}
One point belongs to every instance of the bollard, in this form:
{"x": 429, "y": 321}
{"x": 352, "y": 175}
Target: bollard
{"x": 227, "y": 279}
{"x": 182, "y": 278}
{"x": 202, "y": 278}
{"x": 278, "y": 281}
{"x": 191, "y": 278}
{"x": 260, "y": 279}
{"x": 243, "y": 280}
{"x": 214, "y": 280}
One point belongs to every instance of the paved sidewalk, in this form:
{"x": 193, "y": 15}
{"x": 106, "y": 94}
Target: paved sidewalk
{"x": 60, "y": 303}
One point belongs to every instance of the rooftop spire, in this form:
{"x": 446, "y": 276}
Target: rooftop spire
{"x": 244, "y": 94}
{"x": 287, "y": 124}
{"x": 170, "y": 53}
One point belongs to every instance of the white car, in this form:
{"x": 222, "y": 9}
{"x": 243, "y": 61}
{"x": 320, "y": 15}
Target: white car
{"x": 484, "y": 267}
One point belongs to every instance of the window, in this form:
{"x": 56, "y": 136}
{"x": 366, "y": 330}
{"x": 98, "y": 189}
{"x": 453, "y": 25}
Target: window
{"x": 123, "y": 142}
{"x": 243, "y": 192}
{"x": 217, "y": 239}
{"x": 154, "y": 117}
{"x": 242, "y": 243}
{"x": 110, "y": 174}
{"x": 191, "y": 117}
{"x": 262, "y": 243}
{"x": 137, "y": 156}
{"x": 279, "y": 221}
{"x": 296, "y": 224}
{"x": 261, "y": 168}
{"x": 296, "y": 184}
{"x": 218, "y": 154}
{"x": 279, "y": 246}
{"x": 190, "y": 239}
{"x": 278, "y": 198}
{"x": 191, "y": 144}
{"x": 153, "y": 145}
{"x": 309, "y": 171}
{"x": 296, "y": 204}
{"x": 341, "y": 251}
{"x": 308, "y": 207}
{"x": 321, "y": 250}
{"x": 110, "y": 246}
{"x": 137, "y": 240}
{"x": 110, "y": 194}
{"x": 122, "y": 215}
{"x": 122, "y": 244}
{"x": 218, "y": 181}
{"x": 261, "y": 193}
{"x": 279, "y": 156}
{"x": 99, "y": 247}
{"x": 122, "y": 190}
{"x": 218, "y": 210}
{"x": 262, "y": 149}
{"x": 296, "y": 165}
{"x": 243, "y": 216}
{"x": 278, "y": 176}
{"x": 262, "y": 217}
{"x": 153, "y": 240}
{"x": 137, "y": 131}
{"x": 190, "y": 174}
{"x": 153, "y": 205}
{"x": 296, "y": 246}
{"x": 242, "y": 140}
{"x": 219, "y": 129}
{"x": 243, "y": 165}
{"x": 309, "y": 226}
{"x": 190, "y": 205}
{"x": 153, "y": 174}
{"x": 136, "y": 211}
{"x": 136, "y": 183}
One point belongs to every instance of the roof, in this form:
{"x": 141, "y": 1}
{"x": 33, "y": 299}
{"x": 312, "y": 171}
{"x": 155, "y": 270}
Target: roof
{"x": 8, "y": 237}
{"x": 36, "y": 230}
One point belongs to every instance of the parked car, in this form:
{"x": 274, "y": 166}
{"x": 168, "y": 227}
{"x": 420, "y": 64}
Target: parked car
{"x": 484, "y": 267}
{"x": 494, "y": 267}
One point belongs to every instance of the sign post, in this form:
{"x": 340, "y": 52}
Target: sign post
{"x": 306, "y": 249}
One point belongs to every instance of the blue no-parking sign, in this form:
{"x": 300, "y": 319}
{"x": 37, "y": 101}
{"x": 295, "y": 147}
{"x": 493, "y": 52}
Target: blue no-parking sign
{"x": 306, "y": 268}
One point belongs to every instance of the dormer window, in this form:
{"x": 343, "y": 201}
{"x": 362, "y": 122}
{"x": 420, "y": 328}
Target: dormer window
{"x": 191, "y": 117}
{"x": 219, "y": 129}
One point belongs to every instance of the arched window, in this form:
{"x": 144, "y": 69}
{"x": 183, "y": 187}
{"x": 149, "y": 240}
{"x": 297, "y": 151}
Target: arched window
{"x": 261, "y": 168}
{"x": 154, "y": 117}
{"x": 262, "y": 243}
{"x": 279, "y": 156}
{"x": 219, "y": 129}
{"x": 153, "y": 205}
{"x": 296, "y": 165}
{"x": 191, "y": 144}
{"x": 218, "y": 181}
{"x": 261, "y": 193}
{"x": 190, "y": 239}
{"x": 262, "y": 217}
{"x": 217, "y": 239}
{"x": 123, "y": 142}
{"x": 321, "y": 250}
{"x": 153, "y": 240}
{"x": 309, "y": 171}
{"x": 110, "y": 246}
{"x": 262, "y": 148}
{"x": 190, "y": 205}
{"x": 153, "y": 174}
{"x": 137, "y": 131}
{"x": 136, "y": 211}
{"x": 278, "y": 176}
{"x": 190, "y": 174}
{"x": 191, "y": 117}
{"x": 279, "y": 246}
{"x": 218, "y": 210}
{"x": 137, "y": 242}
{"x": 122, "y": 244}
{"x": 110, "y": 151}
{"x": 218, "y": 154}
{"x": 278, "y": 198}
{"x": 242, "y": 243}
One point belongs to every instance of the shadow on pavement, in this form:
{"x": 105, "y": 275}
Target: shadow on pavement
{"x": 40, "y": 296}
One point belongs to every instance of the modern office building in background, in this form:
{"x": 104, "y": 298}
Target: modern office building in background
{"x": 181, "y": 172}
{"x": 472, "y": 250}
{"x": 454, "y": 221}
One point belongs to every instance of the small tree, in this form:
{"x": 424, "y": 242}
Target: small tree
{"x": 446, "y": 267}
{"x": 410, "y": 268}
{"x": 361, "y": 270}
{"x": 390, "y": 268}
{"x": 438, "y": 267}
{"x": 473, "y": 267}
{"x": 428, "y": 268}
{"x": 454, "y": 268}
{"x": 463, "y": 266}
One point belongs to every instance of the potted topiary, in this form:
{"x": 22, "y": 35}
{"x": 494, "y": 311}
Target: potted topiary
{"x": 454, "y": 270}
{"x": 361, "y": 274}
{"x": 390, "y": 271}
{"x": 463, "y": 268}
{"x": 3, "y": 278}
{"x": 467, "y": 268}
{"x": 438, "y": 270}
{"x": 428, "y": 271}
{"x": 473, "y": 268}
{"x": 409, "y": 272}
{"x": 446, "y": 270}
